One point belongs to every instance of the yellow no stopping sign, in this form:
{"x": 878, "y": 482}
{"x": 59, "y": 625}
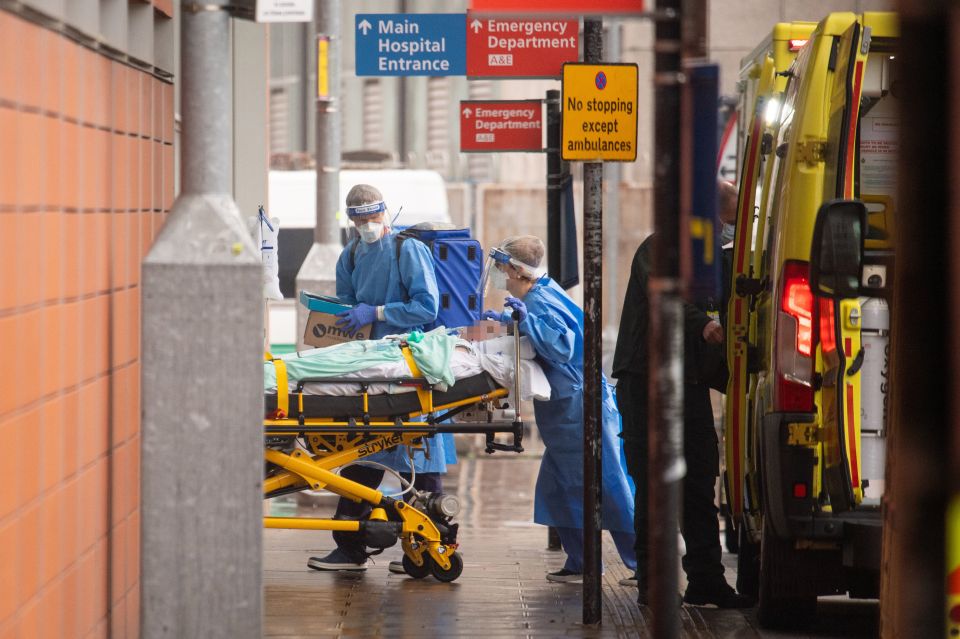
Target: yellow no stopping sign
{"x": 599, "y": 112}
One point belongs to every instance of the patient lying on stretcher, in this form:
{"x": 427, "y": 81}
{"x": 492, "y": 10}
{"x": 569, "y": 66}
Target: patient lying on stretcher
{"x": 441, "y": 359}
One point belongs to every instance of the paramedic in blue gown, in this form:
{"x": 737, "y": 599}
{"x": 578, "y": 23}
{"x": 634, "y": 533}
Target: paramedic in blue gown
{"x": 395, "y": 294}
{"x": 554, "y": 325}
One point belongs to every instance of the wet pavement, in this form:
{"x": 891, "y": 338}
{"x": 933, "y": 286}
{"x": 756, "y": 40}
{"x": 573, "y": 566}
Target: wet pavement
{"x": 502, "y": 592}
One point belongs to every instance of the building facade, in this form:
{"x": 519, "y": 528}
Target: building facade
{"x": 86, "y": 180}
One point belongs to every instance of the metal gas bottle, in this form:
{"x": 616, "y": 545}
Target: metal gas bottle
{"x": 874, "y": 382}
{"x": 874, "y": 391}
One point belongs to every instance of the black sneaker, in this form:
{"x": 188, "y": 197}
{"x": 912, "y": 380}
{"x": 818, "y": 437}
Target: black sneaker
{"x": 565, "y": 576}
{"x": 338, "y": 560}
{"x": 721, "y": 596}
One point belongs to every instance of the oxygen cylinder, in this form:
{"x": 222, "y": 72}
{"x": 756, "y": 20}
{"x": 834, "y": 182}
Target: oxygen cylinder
{"x": 874, "y": 391}
{"x": 874, "y": 380}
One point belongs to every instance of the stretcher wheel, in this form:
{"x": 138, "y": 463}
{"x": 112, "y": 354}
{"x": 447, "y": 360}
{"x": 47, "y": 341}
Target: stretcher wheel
{"x": 456, "y": 568}
{"x": 415, "y": 571}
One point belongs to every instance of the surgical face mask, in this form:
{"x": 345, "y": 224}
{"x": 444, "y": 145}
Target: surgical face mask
{"x": 498, "y": 279}
{"x": 727, "y": 233}
{"x": 370, "y": 232}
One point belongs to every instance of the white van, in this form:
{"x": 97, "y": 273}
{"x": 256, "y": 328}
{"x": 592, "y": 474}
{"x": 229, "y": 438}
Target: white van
{"x": 418, "y": 196}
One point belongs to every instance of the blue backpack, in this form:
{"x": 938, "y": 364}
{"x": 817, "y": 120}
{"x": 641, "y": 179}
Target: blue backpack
{"x": 458, "y": 265}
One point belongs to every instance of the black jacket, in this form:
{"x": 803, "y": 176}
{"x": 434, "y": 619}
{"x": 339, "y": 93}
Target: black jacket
{"x": 703, "y": 363}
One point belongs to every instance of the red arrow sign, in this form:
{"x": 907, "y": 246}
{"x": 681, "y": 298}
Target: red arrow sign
{"x": 520, "y": 47}
{"x": 584, "y": 7}
{"x": 501, "y": 125}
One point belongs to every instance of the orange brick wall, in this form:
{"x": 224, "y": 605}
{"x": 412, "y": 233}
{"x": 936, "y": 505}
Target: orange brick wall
{"x": 86, "y": 180}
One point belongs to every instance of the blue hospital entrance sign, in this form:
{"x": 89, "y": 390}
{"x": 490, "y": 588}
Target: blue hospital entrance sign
{"x": 411, "y": 43}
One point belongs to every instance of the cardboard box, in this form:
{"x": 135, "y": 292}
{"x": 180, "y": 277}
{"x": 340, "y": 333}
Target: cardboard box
{"x": 322, "y": 330}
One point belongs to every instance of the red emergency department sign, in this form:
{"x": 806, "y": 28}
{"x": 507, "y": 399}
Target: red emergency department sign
{"x": 538, "y": 7}
{"x": 520, "y": 47}
{"x": 501, "y": 125}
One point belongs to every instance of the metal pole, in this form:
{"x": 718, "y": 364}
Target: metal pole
{"x": 666, "y": 465}
{"x": 554, "y": 164}
{"x": 317, "y": 273}
{"x": 554, "y": 181}
{"x": 202, "y": 380}
{"x": 611, "y": 213}
{"x": 592, "y": 353}
{"x": 327, "y": 231}
{"x": 402, "y": 107}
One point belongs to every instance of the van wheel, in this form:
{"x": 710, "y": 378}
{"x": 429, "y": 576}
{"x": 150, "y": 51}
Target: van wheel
{"x": 748, "y": 563}
{"x": 785, "y": 600}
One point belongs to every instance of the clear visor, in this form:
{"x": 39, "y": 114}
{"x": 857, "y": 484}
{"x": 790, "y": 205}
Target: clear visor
{"x": 366, "y": 210}
{"x": 499, "y": 256}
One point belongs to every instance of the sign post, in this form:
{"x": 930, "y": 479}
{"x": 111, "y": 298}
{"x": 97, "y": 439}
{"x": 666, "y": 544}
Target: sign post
{"x": 402, "y": 44}
{"x": 501, "y": 125}
{"x": 592, "y": 322}
{"x": 599, "y": 112}
{"x": 520, "y": 47}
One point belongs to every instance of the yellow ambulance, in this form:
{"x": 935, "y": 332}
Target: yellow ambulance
{"x": 806, "y": 406}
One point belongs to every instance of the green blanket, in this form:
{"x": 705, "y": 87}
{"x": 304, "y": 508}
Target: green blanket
{"x": 432, "y": 355}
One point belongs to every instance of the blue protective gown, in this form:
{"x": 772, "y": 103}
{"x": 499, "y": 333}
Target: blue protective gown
{"x": 407, "y": 289}
{"x": 554, "y": 325}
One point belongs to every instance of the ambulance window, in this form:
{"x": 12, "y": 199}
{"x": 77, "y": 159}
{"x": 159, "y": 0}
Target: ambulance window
{"x": 776, "y": 182}
{"x": 877, "y": 146}
{"x": 780, "y": 149}
{"x": 841, "y": 99}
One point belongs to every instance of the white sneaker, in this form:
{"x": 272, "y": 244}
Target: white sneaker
{"x": 396, "y": 567}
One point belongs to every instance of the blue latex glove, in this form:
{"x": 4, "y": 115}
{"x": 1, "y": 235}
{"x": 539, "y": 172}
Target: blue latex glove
{"x": 496, "y": 316}
{"x": 357, "y": 317}
{"x": 517, "y": 305}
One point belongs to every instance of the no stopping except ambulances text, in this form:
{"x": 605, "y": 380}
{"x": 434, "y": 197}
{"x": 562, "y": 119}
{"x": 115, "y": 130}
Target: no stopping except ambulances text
{"x": 594, "y": 128}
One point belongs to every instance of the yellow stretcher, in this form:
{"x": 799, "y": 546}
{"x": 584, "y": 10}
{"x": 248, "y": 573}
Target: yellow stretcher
{"x": 307, "y": 437}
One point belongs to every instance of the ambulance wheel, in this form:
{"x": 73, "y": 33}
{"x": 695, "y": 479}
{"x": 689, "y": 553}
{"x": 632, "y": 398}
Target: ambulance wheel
{"x": 787, "y": 599}
{"x": 415, "y": 571}
{"x": 456, "y": 567}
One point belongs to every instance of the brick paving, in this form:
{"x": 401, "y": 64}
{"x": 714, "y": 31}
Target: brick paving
{"x": 502, "y": 592}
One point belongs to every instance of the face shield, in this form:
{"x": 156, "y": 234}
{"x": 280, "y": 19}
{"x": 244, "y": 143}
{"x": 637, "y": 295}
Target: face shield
{"x": 495, "y": 276}
{"x": 368, "y": 220}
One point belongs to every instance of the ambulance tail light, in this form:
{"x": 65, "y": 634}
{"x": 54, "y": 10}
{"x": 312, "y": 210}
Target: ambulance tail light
{"x": 797, "y": 43}
{"x": 795, "y": 341}
{"x": 955, "y": 613}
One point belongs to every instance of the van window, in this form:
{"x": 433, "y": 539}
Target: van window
{"x": 877, "y": 148}
{"x": 781, "y": 137}
{"x": 841, "y": 136}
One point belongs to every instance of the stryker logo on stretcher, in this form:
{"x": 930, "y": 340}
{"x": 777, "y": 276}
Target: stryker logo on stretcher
{"x": 379, "y": 445}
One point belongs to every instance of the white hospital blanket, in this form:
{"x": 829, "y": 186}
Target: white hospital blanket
{"x": 469, "y": 358}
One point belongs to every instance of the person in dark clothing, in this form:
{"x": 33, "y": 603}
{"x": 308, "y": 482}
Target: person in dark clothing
{"x": 699, "y": 526}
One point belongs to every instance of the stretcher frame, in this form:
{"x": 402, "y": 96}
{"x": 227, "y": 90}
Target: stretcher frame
{"x": 429, "y": 543}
